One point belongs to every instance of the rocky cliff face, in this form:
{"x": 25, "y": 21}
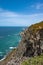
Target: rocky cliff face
{"x": 32, "y": 41}
{"x": 30, "y": 45}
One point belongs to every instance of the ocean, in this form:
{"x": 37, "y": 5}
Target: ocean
{"x": 9, "y": 39}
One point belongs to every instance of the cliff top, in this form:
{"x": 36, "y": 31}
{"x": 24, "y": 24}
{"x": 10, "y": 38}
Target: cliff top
{"x": 28, "y": 45}
{"x": 37, "y": 26}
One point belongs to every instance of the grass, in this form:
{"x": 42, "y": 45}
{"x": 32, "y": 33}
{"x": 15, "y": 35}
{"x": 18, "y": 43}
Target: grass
{"x": 34, "y": 61}
{"x": 36, "y": 27}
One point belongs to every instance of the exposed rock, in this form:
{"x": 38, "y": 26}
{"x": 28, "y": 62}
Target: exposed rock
{"x": 30, "y": 45}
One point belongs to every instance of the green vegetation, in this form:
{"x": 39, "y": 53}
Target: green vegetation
{"x": 36, "y": 27}
{"x": 30, "y": 43}
{"x": 34, "y": 61}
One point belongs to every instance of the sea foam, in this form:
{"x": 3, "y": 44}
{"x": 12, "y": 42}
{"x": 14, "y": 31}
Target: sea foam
{"x": 12, "y": 47}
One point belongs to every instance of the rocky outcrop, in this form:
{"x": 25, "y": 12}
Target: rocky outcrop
{"x": 30, "y": 45}
{"x": 32, "y": 41}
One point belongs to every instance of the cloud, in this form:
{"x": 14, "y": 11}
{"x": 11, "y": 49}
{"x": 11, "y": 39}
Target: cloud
{"x": 37, "y": 6}
{"x": 8, "y": 18}
{"x": 7, "y": 13}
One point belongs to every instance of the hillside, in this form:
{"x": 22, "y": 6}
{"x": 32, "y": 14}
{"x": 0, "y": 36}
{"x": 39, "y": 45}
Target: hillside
{"x": 33, "y": 61}
{"x": 37, "y": 26}
{"x": 31, "y": 45}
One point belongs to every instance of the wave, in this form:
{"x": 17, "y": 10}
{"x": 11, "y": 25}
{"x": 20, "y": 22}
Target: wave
{"x": 3, "y": 58}
{"x": 12, "y": 47}
{"x": 6, "y": 55}
{"x": 16, "y": 34}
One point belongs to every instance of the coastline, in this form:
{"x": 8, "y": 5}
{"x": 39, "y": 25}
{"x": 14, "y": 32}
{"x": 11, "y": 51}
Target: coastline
{"x": 3, "y": 58}
{"x": 12, "y": 48}
{"x": 32, "y": 39}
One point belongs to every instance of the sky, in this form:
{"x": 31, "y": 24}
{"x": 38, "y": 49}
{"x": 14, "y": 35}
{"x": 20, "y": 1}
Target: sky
{"x": 20, "y": 12}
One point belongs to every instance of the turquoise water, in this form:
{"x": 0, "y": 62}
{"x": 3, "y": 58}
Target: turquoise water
{"x": 9, "y": 38}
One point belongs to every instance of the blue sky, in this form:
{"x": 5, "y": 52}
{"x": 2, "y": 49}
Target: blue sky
{"x": 20, "y": 12}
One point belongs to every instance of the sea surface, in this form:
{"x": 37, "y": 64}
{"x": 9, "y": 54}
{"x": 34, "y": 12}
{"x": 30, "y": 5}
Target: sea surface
{"x": 9, "y": 39}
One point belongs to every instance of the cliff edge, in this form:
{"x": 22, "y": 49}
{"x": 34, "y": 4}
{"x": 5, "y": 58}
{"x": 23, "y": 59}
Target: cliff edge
{"x": 30, "y": 45}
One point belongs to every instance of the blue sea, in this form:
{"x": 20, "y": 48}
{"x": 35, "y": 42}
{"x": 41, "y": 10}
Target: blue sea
{"x": 9, "y": 39}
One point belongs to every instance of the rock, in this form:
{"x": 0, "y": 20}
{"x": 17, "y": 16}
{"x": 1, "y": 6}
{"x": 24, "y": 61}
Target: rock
{"x": 30, "y": 45}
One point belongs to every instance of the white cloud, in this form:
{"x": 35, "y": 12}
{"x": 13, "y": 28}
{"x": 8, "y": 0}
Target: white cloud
{"x": 37, "y": 6}
{"x": 7, "y": 13}
{"x": 8, "y": 18}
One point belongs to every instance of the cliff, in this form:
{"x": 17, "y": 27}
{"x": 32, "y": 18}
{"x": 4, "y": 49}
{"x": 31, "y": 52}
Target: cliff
{"x": 32, "y": 41}
{"x": 30, "y": 45}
